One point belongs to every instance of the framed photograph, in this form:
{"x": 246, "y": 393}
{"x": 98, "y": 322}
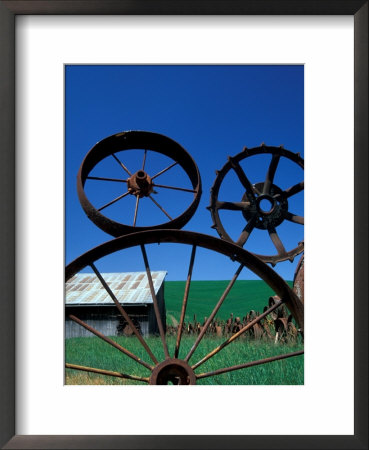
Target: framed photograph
{"x": 114, "y": 119}
{"x": 198, "y": 303}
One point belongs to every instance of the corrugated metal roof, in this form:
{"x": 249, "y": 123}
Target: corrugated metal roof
{"x": 128, "y": 287}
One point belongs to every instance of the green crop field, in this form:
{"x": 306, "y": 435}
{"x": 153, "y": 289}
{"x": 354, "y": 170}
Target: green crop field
{"x": 93, "y": 352}
{"x": 244, "y": 296}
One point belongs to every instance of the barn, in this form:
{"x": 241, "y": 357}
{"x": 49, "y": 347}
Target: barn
{"x": 87, "y": 299}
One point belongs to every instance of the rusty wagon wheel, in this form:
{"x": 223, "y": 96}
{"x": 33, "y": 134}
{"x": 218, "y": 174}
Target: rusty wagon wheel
{"x": 171, "y": 368}
{"x": 263, "y": 205}
{"x": 137, "y": 182}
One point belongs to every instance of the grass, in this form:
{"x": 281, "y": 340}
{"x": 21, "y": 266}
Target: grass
{"x": 93, "y": 352}
{"x": 205, "y": 294}
{"x": 244, "y": 296}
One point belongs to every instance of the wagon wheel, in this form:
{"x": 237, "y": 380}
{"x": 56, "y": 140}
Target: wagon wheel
{"x": 263, "y": 205}
{"x": 137, "y": 182}
{"x": 171, "y": 368}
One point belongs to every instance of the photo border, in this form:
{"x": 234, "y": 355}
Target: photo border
{"x": 8, "y": 12}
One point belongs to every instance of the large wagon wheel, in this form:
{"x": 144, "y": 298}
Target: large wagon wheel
{"x": 172, "y": 368}
{"x": 264, "y": 205}
{"x": 137, "y": 182}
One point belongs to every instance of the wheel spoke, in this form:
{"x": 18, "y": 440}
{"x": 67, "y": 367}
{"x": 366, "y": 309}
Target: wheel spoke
{"x": 110, "y": 341}
{"x": 242, "y": 176}
{"x": 106, "y": 179}
{"x": 233, "y": 206}
{"x": 256, "y": 190}
{"x": 271, "y": 172}
{"x": 106, "y": 372}
{"x": 113, "y": 201}
{"x": 164, "y": 170}
{"x": 236, "y": 335}
{"x": 121, "y": 164}
{"x": 249, "y": 364}
{"x": 174, "y": 187}
{"x": 144, "y": 160}
{"x": 293, "y": 218}
{"x": 241, "y": 241}
{"x": 294, "y": 189}
{"x": 123, "y": 313}
{"x": 184, "y": 303}
{"x": 215, "y": 310}
{"x": 160, "y": 207}
{"x": 155, "y": 301}
{"x": 276, "y": 241}
{"x": 136, "y": 209}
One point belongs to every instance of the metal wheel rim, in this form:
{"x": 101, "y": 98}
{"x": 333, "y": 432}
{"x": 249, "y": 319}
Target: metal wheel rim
{"x": 214, "y": 191}
{"x": 129, "y": 140}
{"x": 230, "y": 250}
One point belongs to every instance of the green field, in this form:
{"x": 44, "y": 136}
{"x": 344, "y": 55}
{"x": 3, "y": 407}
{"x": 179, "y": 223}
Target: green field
{"x": 244, "y": 296}
{"x": 93, "y": 352}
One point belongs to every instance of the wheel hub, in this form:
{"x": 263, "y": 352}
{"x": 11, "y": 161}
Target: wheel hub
{"x": 140, "y": 184}
{"x": 269, "y": 208}
{"x": 265, "y": 204}
{"x": 173, "y": 371}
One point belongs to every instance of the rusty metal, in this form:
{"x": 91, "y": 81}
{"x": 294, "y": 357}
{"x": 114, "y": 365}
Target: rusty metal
{"x": 160, "y": 207}
{"x": 277, "y": 326}
{"x": 236, "y": 335}
{"x": 174, "y": 370}
{"x": 281, "y": 328}
{"x": 250, "y": 364}
{"x": 113, "y": 201}
{"x": 298, "y": 279}
{"x": 184, "y": 303}
{"x": 109, "y": 373}
{"x": 140, "y": 183}
{"x": 229, "y": 249}
{"x": 122, "y": 311}
{"x": 154, "y": 299}
{"x": 110, "y": 341}
{"x": 215, "y": 310}
{"x": 258, "y": 216}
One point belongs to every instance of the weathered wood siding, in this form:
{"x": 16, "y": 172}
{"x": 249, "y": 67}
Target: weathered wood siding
{"x": 106, "y": 319}
{"x": 153, "y": 324}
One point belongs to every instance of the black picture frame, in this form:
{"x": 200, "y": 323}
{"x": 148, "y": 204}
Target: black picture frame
{"x": 8, "y": 10}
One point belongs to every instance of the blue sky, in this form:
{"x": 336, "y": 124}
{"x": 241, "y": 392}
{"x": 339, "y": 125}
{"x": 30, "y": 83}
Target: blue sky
{"x": 213, "y": 112}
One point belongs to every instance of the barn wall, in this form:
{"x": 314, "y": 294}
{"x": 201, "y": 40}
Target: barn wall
{"x": 153, "y": 325}
{"x": 103, "y": 319}
{"x": 106, "y": 327}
